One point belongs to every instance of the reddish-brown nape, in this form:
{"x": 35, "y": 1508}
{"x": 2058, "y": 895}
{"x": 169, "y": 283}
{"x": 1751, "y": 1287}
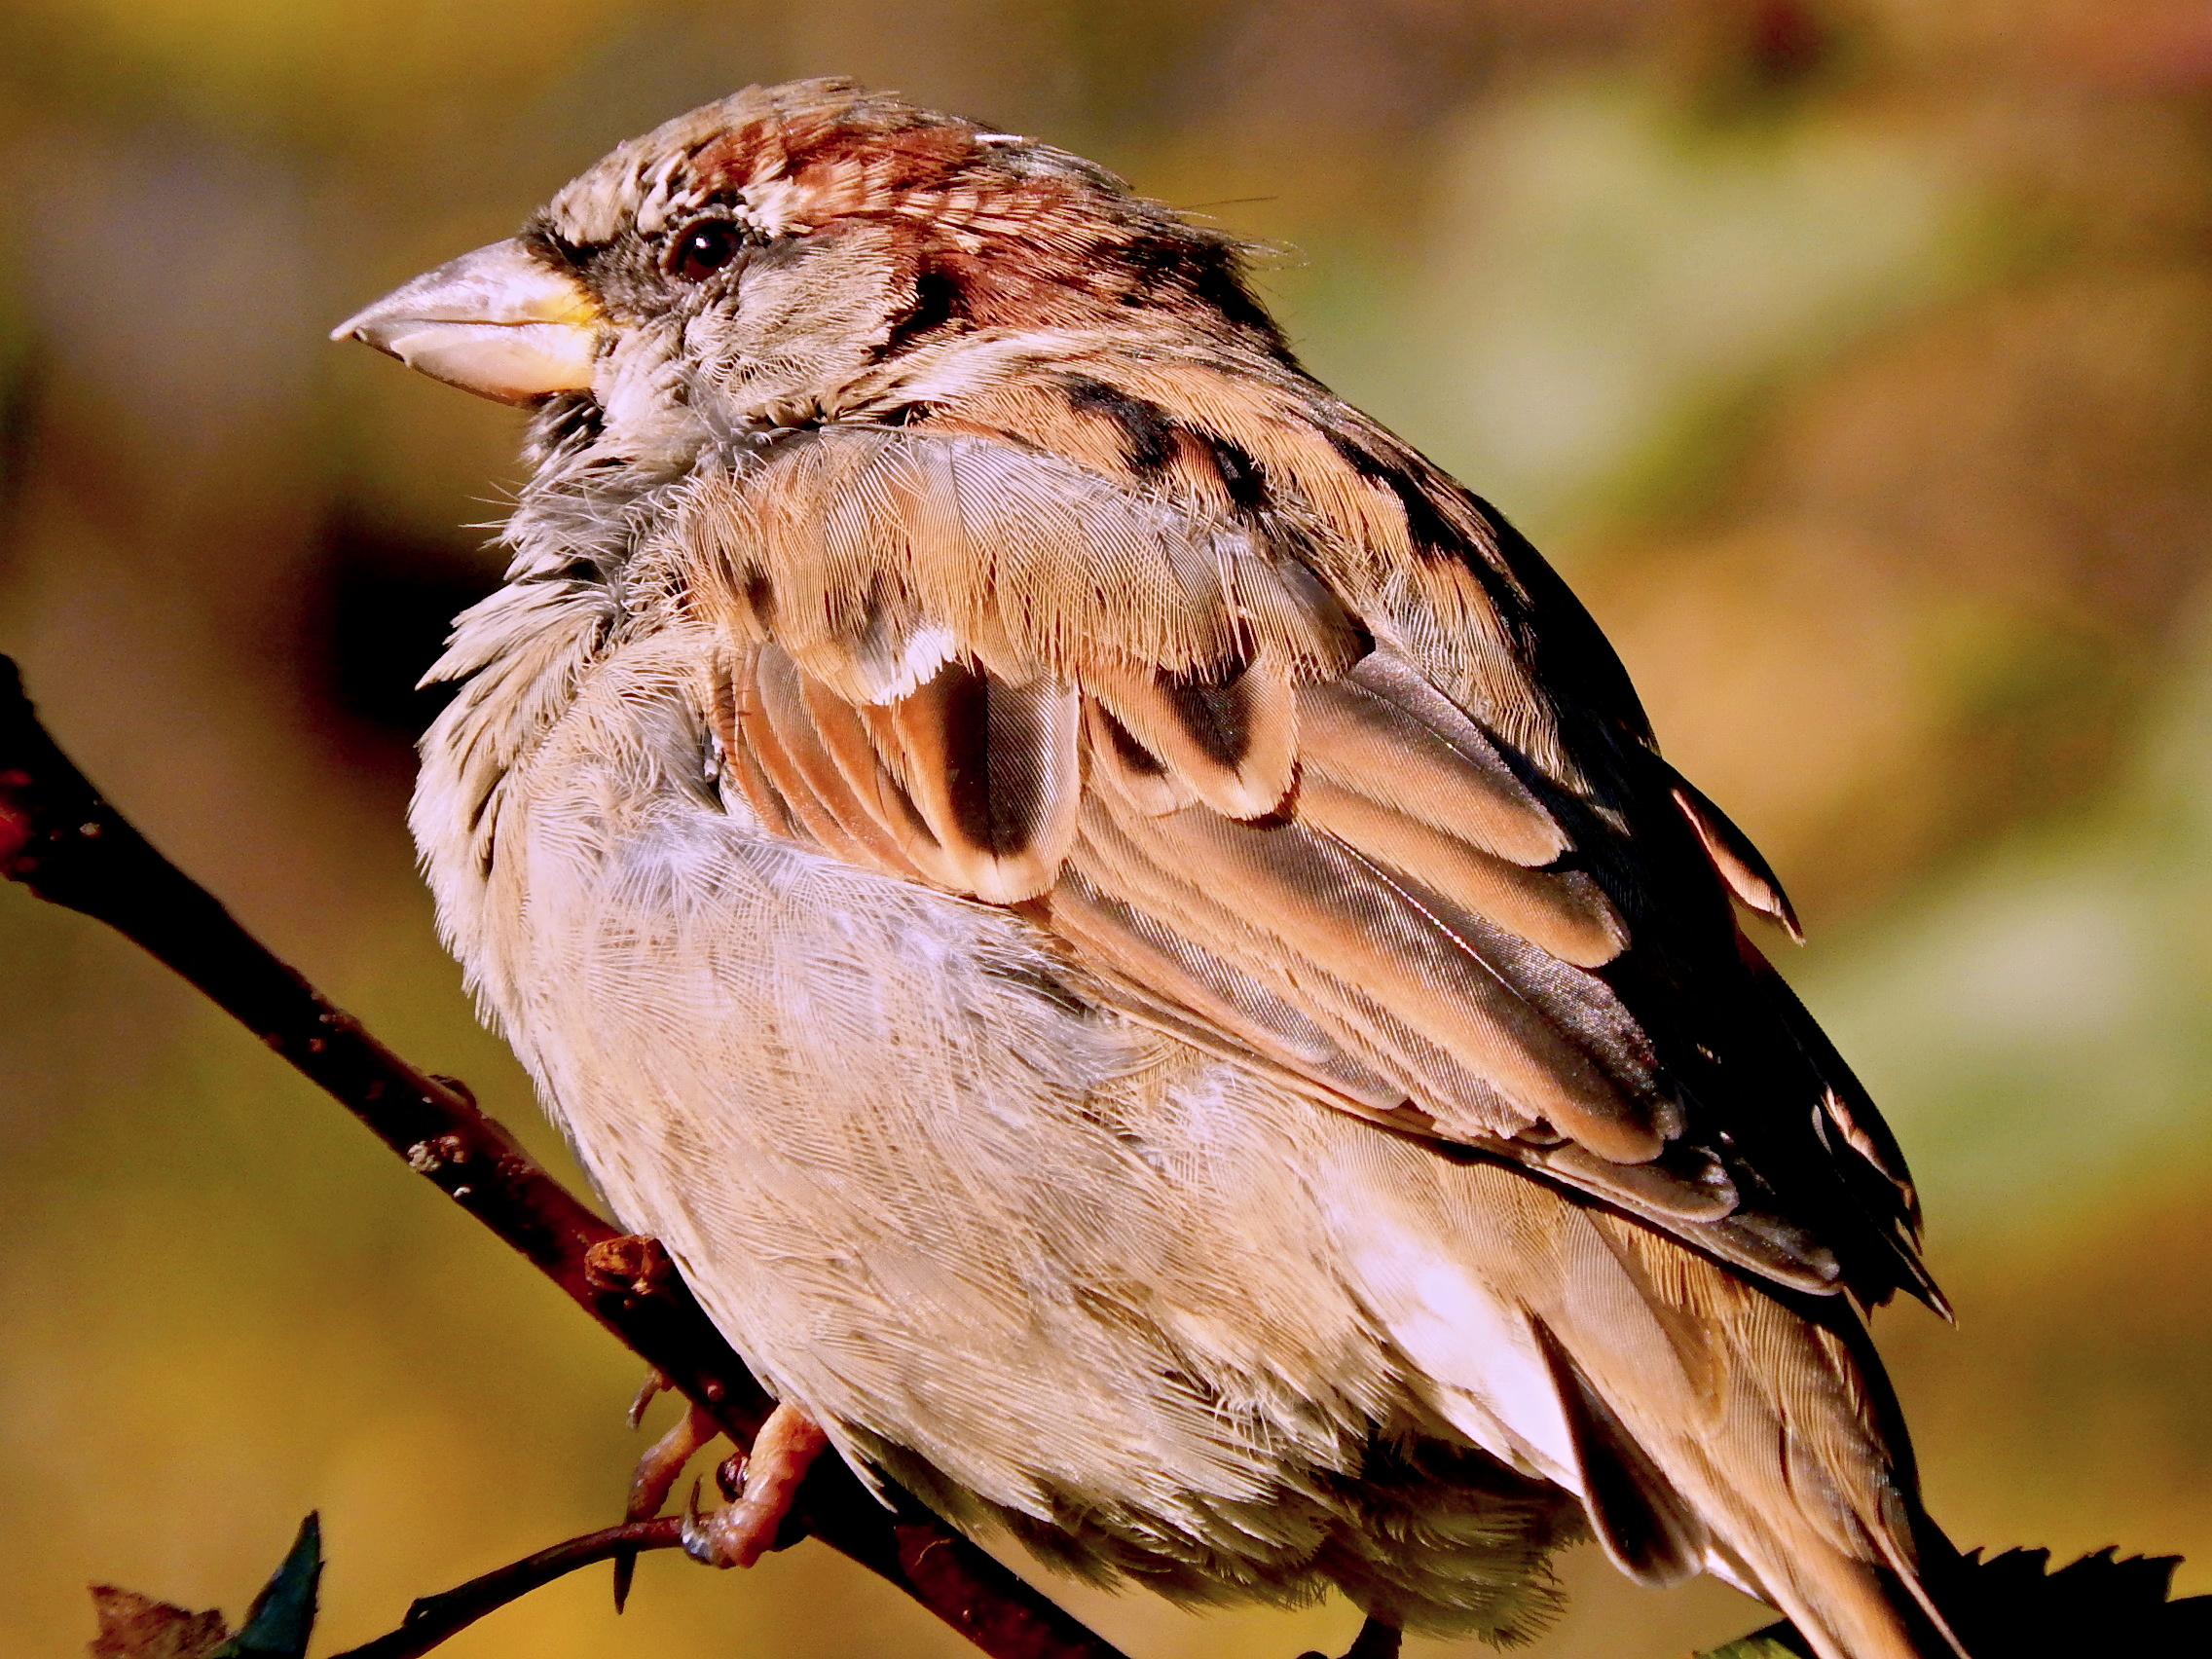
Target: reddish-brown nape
{"x": 1009, "y": 233}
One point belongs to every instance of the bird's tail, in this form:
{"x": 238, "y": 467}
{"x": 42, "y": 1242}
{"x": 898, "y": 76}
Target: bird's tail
{"x": 1848, "y": 1607}
{"x": 1710, "y": 1423}
{"x": 1769, "y": 1451}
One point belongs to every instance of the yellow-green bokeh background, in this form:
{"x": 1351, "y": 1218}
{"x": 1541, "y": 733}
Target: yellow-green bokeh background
{"x": 1854, "y": 358}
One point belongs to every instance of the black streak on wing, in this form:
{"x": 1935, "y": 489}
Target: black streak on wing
{"x": 1495, "y": 555}
{"x": 985, "y": 811}
{"x": 1214, "y": 713}
{"x": 1240, "y": 475}
{"x": 1131, "y": 754}
{"x": 1148, "y": 434}
{"x": 1425, "y": 525}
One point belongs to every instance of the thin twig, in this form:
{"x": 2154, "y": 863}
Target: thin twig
{"x": 431, "y": 1619}
{"x": 67, "y": 845}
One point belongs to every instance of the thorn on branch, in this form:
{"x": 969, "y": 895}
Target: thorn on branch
{"x": 281, "y": 1620}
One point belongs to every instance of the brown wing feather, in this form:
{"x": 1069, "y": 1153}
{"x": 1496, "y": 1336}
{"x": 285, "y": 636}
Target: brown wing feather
{"x": 1648, "y": 1528}
{"x": 1384, "y": 731}
{"x": 1121, "y": 763}
{"x": 1252, "y": 709}
{"x": 992, "y": 770}
{"x": 1229, "y": 736}
{"x": 1560, "y": 912}
{"x": 1741, "y": 865}
{"x": 1335, "y": 931}
{"x": 1413, "y": 1002}
{"x": 741, "y": 755}
{"x": 842, "y": 733}
{"x": 1167, "y": 978}
{"x": 781, "y": 747}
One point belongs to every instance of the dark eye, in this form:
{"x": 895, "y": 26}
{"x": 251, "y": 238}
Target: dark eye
{"x": 703, "y": 247}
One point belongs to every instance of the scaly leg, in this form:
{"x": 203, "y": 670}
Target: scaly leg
{"x": 739, "y": 1534}
{"x": 657, "y": 1473}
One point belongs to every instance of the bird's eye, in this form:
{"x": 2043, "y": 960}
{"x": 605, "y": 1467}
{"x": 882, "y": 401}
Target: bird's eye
{"x": 703, "y": 247}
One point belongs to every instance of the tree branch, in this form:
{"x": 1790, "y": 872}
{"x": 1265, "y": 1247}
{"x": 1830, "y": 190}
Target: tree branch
{"x": 434, "y": 1618}
{"x": 67, "y": 845}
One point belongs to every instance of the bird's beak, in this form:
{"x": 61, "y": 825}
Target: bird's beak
{"x": 499, "y": 322}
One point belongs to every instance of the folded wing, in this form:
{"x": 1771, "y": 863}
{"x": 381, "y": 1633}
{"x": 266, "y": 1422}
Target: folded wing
{"x": 1195, "y": 722}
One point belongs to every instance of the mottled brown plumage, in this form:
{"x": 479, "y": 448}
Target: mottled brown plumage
{"x": 1128, "y": 933}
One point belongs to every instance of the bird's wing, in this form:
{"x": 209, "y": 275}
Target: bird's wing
{"x": 1298, "y": 753}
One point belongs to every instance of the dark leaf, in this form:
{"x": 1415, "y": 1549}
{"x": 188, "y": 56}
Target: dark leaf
{"x": 282, "y": 1616}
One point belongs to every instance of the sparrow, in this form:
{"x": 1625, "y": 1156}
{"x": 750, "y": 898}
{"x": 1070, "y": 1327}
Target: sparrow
{"x": 1130, "y": 936}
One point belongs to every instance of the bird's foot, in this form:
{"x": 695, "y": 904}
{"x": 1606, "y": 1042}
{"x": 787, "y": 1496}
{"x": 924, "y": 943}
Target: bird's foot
{"x": 656, "y": 1475}
{"x": 760, "y": 1486}
{"x": 1375, "y": 1641}
{"x": 657, "y": 1470}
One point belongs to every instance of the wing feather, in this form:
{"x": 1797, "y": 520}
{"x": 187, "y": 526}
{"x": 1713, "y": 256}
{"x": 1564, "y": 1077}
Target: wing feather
{"x": 1229, "y": 736}
{"x": 1253, "y": 714}
{"x": 1560, "y": 912}
{"x": 1383, "y": 731}
{"x": 993, "y": 771}
{"x": 783, "y": 749}
{"x": 1121, "y": 763}
{"x": 1177, "y": 983}
{"x": 1202, "y": 902}
{"x": 878, "y": 795}
{"x": 1646, "y": 1526}
{"x": 1741, "y": 865}
{"x": 741, "y": 755}
{"x": 1441, "y": 972}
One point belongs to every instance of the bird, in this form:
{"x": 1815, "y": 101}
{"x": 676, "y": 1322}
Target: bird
{"x": 1130, "y": 936}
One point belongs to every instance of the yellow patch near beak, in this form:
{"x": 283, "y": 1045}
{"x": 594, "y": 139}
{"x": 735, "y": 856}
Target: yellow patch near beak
{"x": 498, "y": 322}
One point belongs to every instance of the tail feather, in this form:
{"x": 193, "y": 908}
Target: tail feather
{"x": 1851, "y": 1608}
{"x": 1707, "y": 1423}
{"x": 1795, "y": 1480}
{"x": 1641, "y": 1522}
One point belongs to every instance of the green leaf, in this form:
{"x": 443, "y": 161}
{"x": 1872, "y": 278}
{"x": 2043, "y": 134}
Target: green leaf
{"x": 282, "y": 1616}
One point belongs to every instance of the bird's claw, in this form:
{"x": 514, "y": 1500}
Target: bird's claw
{"x": 761, "y": 1487}
{"x": 657, "y": 1471}
{"x": 656, "y": 1383}
{"x": 736, "y": 1534}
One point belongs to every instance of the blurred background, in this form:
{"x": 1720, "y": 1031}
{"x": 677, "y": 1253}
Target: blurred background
{"x": 1854, "y": 358}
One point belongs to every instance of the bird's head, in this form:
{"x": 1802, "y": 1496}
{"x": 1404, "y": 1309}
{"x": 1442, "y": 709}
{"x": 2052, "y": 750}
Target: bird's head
{"x": 768, "y": 260}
